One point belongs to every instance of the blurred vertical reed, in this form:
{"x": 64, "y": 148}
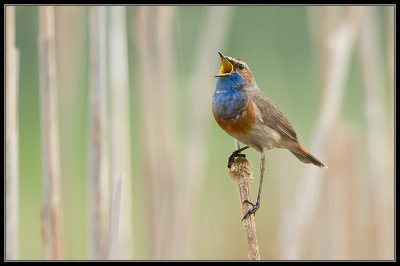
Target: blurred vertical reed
{"x": 120, "y": 130}
{"x": 156, "y": 64}
{"x": 338, "y": 42}
{"x": 52, "y": 218}
{"x": 149, "y": 126}
{"x": 391, "y": 98}
{"x": 99, "y": 198}
{"x": 376, "y": 123}
{"x": 390, "y": 81}
{"x": 115, "y": 213}
{"x": 171, "y": 193}
{"x": 164, "y": 70}
{"x": 72, "y": 67}
{"x": 390, "y": 48}
{"x": 339, "y": 191}
{"x": 12, "y": 175}
{"x": 210, "y": 40}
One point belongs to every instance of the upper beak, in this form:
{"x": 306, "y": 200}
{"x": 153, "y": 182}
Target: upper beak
{"x": 226, "y": 66}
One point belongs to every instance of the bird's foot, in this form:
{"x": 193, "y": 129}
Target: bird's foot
{"x": 252, "y": 210}
{"x": 235, "y": 154}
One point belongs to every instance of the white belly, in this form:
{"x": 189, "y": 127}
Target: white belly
{"x": 262, "y": 137}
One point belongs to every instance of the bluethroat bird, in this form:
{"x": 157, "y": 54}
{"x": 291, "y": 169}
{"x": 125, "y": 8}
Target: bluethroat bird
{"x": 244, "y": 112}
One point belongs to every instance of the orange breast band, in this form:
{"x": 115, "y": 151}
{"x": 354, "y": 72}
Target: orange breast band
{"x": 241, "y": 124}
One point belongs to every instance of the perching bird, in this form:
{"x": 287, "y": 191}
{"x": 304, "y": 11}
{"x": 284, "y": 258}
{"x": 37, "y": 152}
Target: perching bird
{"x": 244, "y": 112}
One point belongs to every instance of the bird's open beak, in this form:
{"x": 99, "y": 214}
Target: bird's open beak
{"x": 226, "y": 66}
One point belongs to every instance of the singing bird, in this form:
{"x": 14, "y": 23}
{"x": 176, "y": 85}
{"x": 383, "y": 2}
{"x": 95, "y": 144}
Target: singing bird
{"x": 245, "y": 113}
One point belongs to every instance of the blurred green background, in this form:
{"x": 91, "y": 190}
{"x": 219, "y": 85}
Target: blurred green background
{"x": 280, "y": 44}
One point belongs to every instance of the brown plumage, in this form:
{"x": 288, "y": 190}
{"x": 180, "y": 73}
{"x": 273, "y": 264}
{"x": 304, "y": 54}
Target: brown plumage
{"x": 274, "y": 118}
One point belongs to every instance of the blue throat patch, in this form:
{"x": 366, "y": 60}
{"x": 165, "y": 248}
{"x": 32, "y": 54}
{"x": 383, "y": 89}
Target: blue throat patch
{"x": 229, "y": 99}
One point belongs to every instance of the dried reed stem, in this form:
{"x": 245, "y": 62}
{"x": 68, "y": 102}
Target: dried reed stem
{"x": 120, "y": 128}
{"x": 99, "y": 161}
{"x": 241, "y": 172}
{"x": 52, "y": 220}
{"x": 12, "y": 73}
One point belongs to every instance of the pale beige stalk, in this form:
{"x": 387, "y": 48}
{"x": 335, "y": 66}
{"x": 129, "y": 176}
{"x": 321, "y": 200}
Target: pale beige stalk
{"x": 52, "y": 215}
{"x": 241, "y": 172}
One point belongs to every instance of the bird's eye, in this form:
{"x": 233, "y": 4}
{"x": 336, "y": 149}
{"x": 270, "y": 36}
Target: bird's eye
{"x": 241, "y": 66}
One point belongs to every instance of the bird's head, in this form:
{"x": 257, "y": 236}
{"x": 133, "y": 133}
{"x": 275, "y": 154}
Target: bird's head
{"x": 231, "y": 66}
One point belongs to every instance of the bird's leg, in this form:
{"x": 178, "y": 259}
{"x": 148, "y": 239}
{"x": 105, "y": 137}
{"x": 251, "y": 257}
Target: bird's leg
{"x": 237, "y": 144}
{"x": 235, "y": 154}
{"x": 257, "y": 205}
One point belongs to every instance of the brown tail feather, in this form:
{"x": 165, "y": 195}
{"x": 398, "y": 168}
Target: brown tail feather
{"x": 303, "y": 155}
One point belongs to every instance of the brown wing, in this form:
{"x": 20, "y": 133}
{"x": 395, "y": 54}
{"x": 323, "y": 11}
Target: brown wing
{"x": 271, "y": 116}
